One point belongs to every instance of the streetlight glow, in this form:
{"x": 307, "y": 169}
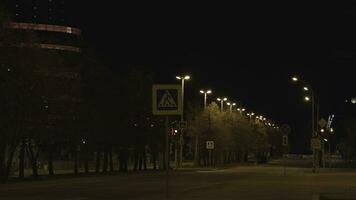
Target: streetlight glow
{"x": 218, "y": 99}
{"x": 306, "y": 88}
{"x": 187, "y": 77}
{"x": 243, "y": 109}
{"x": 178, "y": 77}
{"x": 353, "y": 100}
{"x": 201, "y": 91}
{"x": 307, "y": 98}
{"x": 209, "y": 92}
{"x": 295, "y": 79}
{"x": 225, "y": 99}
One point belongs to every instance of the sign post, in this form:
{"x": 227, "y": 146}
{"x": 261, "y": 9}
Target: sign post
{"x": 285, "y": 146}
{"x": 166, "y": 101}
{"x": 315, "y": 144}
{"x": 210, "y": 146}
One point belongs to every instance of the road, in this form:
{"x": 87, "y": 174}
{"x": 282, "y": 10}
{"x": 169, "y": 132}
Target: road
{"x": 238, "y": 182}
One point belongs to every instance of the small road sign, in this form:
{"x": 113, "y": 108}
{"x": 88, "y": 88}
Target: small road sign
{"x": 167, "y": 100}
{"x": 285, "y": 140}
{"x": 322, "y": 122}
{"x": 315, "y": 143}
{"x": 210, "y": 145}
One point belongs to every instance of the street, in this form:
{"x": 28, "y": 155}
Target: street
{"x": 237, "y": 182}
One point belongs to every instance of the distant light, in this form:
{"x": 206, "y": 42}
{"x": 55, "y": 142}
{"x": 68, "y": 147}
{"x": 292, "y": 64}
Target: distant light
{"x": 228, "y": 103}
{"x": 264, "y": 119}
{"x": 201, "y": 91}
{"x": 175, "y": 131}
{"x": 248, "y": 114}
{"x": 152, "y": 125}
{"x": 187, "y": 77}
{"x": 295, "y": 79}
{"x": 209, "y": 92}
{"x": 252, "y": 114}
{"x": 218, "y": 99}
{"x": 325, "y": 140}
{"x": 331, "y": 130}
{"x": 238, "y": 109}
{"x": 234, "y": 104}
{"x": 353, "y": 100}
{"x": 322, "y": 130}
{"x": 305, "y": 88}
{"x": 307, "y": 98}
{"x": 8, "y": 69}
{"x": 243, "y": 109}
{"x": 225, "y": 99}
{"x": 178, "y": 77}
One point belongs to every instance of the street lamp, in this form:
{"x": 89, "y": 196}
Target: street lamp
{"x": 205, "y": 96}
{"x": 241, "y": 110}
{"x": 250, "y": 115}
{"x": 312, "y": 99}
{"x": 222, "y": 103}
{"x": 182, "y": 79}
{"x": 231, "y": 105}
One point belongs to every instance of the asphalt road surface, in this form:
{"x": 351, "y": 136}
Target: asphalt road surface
{"x": 239, "y": 182}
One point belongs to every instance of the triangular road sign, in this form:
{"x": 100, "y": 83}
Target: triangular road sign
{"x": 167, "y": 101}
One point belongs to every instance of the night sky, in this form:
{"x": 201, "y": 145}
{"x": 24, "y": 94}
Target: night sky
{"x": 245, "y": 52}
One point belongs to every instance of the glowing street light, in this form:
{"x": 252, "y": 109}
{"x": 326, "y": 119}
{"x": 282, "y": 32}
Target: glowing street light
{"x": 222, "y": 103}
{"x": 295, "y": 79}
{"x": 205, "y": 92}
{"x": 241, "y": 110}
{"x": 231, "y": 105}
{"x": 305, "y": 88}
{"x": 182, "y": 79}
{"x": 307, "y": 98}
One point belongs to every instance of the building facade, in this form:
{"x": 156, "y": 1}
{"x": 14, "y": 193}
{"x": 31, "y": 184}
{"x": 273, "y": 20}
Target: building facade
{"x": 57, "y": 53}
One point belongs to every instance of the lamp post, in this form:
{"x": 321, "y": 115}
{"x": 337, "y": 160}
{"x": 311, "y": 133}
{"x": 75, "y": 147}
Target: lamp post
{"x": 196, "y": 153}
{"x": 231, "y": 105}
{"x": 205, "y": 93}
{"x": 182, "y": 79}
{"x": 241, "y": 110}
{"x": 222, "y": 103}
{"x": 307, "y": 88}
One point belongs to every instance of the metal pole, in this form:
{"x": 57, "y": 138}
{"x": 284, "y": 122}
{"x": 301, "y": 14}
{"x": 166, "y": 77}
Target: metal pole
{"x": 230, "y": 108}
{"x": 181, "y": 131}
{"x": 205, "y": 99}
{"x": 284, "y": 165}
{"x": 329, "y": 155}
{"x": 167, "y": 159}
{"x": 313, "y": 132}
{"x": 222, "y": 105}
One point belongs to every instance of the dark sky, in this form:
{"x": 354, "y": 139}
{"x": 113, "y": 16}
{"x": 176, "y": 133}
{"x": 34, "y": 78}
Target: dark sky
{"x": 246, "y": 52}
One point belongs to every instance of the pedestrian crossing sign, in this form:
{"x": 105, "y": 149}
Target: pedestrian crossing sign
{"x": 167, "y": 100}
